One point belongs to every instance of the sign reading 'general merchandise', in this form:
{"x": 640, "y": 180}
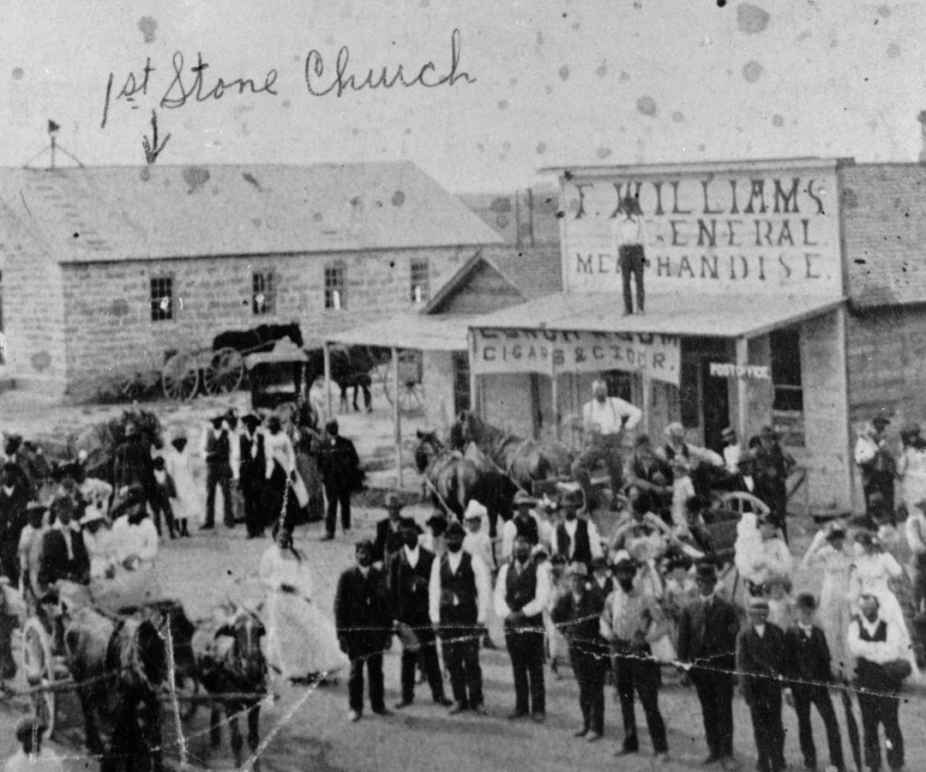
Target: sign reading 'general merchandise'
{"x": 546, "y": 351}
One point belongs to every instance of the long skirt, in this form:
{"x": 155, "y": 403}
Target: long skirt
{"x": 307, "y": 467}
{"x": 300, "y": 638}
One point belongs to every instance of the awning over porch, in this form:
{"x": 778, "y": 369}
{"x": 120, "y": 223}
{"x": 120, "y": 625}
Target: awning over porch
{"x": 694, "y": 315}
{"x": 425, "y": 332}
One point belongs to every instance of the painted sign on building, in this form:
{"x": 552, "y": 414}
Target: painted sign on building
{"x": 546, "y": 351}
{"x": 749, "y": 372}
{"x": 751, "y": 231}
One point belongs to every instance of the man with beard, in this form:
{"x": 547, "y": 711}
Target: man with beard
{"x": 364, "y": 625}
{"x": 707, "y": 632}
{"x": 577, "y": 538}
{"x": 409, "y": 579}
{"x": 522, "y": 591}
{"x": 458, "y": 597}
{"x": 576, "y": 614}
{"x": 631, "y": 621}
{"x": 13, "y": 500}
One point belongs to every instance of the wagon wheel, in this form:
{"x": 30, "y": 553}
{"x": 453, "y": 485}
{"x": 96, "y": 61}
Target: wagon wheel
{"x": 180, "y": 377}
{"x": 224, "y": 372}
{"x": 39, "y": 666}
{"x": 411, "y": 397}
{"x": 741, "y": 501}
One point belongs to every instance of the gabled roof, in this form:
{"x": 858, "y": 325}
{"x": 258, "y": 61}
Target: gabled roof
{"x": 114, "y": 213}
{"x": 884, "y": 229}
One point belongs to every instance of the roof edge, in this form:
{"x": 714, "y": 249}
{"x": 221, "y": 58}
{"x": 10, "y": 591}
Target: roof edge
{"x": 642, "y": 170}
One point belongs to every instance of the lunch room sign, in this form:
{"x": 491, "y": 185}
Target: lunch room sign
{"x": 546, "y": 351}
{"x": 768, "y": 231}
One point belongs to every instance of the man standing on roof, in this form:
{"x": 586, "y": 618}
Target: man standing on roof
{"x": 604, "y": 421}
{"x": 628, "y": 235}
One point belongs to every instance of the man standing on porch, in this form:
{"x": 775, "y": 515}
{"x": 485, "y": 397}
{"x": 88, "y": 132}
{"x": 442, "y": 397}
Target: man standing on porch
{"x": 604, "y": 421}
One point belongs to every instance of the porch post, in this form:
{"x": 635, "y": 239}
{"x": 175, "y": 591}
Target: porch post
{"x": 473, "y": 378}
{"x": 554, "y": 393}
{"x": 397, "y": 418}
{"x": 742, "y": 394}
{"x": 647, "y": 384}
{"x": 327, "y": 360}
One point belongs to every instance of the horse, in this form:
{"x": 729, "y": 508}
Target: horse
{"x": 119, "y": 666}
{"x": 259, "y": 339}
{"x": 524, "y": 460}
{"x": 229, "y": 660}
{"x": 350, "y": 368}
{"x": 454, "y": 480}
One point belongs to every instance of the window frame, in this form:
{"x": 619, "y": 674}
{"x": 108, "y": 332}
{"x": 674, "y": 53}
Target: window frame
{"x": 781, "y": 387}
{"x": 419, "y": 271}
{"x": 155, "y": 312}
{"x": 268, "y": 279}
{"x": 339, "y": 271}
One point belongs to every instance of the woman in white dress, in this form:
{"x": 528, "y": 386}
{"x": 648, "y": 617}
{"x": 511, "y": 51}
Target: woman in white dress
{"x": 827, "y": 553}
{"x": 911, "y": 467}
{"x": 873, "y": 572}
{"x": 302, "y": 643}
{"x": 179, "y": 465}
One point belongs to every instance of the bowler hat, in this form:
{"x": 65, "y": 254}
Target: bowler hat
{"x": 455, "y": 529}
{"x": 806, "y": 600}
{"x": 250, "y": 420}
{"x": 707, "y": 572}
{"x": 522, "y": 498}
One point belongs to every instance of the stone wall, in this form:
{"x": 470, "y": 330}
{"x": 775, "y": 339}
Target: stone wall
{"x": 108, "y": 317}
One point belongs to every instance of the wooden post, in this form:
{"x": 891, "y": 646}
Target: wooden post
{"x": 554, "y": 393}
{"x": 647, "y": 408}
{"x": 473, "y": 379}
{"x": 742, "y": 392}
{"x": 397, "y": 418}
{"x": 327, "y": 359}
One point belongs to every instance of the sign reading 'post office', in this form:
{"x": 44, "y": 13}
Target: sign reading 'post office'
{"x": 765, "y": 231}
{"x": 543, "y": 351}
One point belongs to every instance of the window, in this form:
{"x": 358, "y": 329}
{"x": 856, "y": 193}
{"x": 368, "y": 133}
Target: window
{"x": 335, "y": 284}
{"x": 421, "y": 283}
{"x": 786, "y": 370}
{"x": 162, "y": 298}
{"x": 263, "y": 293}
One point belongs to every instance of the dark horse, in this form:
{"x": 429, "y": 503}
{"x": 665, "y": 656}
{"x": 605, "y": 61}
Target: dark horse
{"x": 258, "y": 339}
{"x": 230, "y": 662}
{"x": 524, "y": 460}
{"x": 119, "y": 666}
{"x": 350, "y": 368}
{"x": 453, "y": 480}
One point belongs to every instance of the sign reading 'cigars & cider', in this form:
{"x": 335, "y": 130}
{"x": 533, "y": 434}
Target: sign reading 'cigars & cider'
{"x": 766, "y": 231}
{"x": 546, "y": 351}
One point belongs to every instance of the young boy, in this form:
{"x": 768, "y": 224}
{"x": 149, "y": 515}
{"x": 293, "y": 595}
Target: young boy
{"x": 780, "y": 606}
{"x": 478, "y": 543}
{"x": 809, "y": 670}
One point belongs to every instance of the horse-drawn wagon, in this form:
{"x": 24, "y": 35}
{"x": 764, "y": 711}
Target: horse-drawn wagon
{"x": 276, "y": 376}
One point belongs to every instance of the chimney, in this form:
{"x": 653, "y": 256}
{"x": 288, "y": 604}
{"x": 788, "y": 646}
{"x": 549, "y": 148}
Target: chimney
{"x": 922, "y": 119}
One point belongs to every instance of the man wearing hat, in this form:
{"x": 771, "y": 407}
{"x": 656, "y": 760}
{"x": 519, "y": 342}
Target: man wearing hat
{"x": 220, "y": 451}
{"x": 340, "y": 467}
{"x": 876, "y": 464}
{"x": 577, "y": 538}
{"x": 522, "y": 592}
{"x": 772, "y": 465}
{"x": 364, "y": 623}
{"x": 698, "y": 461}
{"x": 604, "y": 421}
{"x": 576, "y": 614}
{"x": 31, "y": 756}
{"x": 524, "y": 521}
{"x": 389, "y": 531}
{"x": 600, "y": 580}
{"x": 64, "y": 555}
{"x": 651, "y": 474}
{"x": 760, "y": 663}
{"x": 13, "y": 500}
{"x": 409, "y": 579}
{"x": 807, "y": 657}
{"x": 458, "y": 602}
{"x": 707, "y": 632}
{"x": 252, "y": 464}
{"x": 132, "y": 461}
{"x": 631, "y": 621}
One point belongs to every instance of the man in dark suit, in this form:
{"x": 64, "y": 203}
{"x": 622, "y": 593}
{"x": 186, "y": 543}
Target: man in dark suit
{"x": 707, "y": 632}
{"x": 251, "y": 470}
{"x": 576, "y": 614}
{"x": 389, "y": 531}
{"x": 339, "y": 465}
{"x": 409, "y": 579}
{"x": 808, "y": 658}
{"x": 14, "y": 496}
{"x": 760, "y": 662}
{"x": 64, "y": 555}
{"x": 364, "y": 624}
{"x": 132, "y": 462}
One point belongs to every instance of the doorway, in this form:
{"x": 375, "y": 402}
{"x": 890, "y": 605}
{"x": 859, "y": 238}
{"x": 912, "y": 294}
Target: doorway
{"x": 715, "y": 405}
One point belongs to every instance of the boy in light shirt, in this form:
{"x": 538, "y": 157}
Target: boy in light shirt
{"x": 478, "y": 543}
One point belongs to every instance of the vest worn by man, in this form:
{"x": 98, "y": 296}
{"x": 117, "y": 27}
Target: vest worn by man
{"x": 520, "y": 589}
{"x": 871, "y": 675}
{"x": 218, "y": 449}
{"x": 583, "y": 550}
{"x": 527, "y": 528}
{"x": 458, "y": 592}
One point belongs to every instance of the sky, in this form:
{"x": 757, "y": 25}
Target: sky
{"x": 564, "y": 83}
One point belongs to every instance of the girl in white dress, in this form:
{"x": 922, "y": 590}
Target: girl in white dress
{"x": 179, "y": 465}
{"x": 302, "y": 643}
{"x": 911, "y": 467}
{"x": 827, "y": 552}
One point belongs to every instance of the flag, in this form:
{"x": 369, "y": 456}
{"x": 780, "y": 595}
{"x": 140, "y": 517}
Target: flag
{"x": 52, "y": 127}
